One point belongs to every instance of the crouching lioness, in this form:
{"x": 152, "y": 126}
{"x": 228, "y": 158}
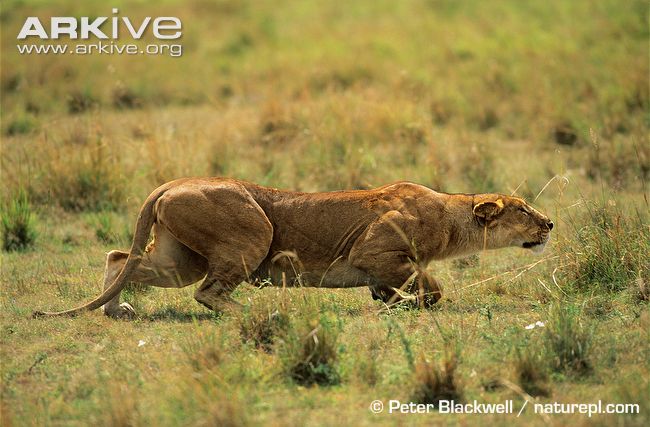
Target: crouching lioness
{"x": 226, "y": 231}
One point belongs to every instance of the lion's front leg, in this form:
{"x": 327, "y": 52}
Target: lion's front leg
{"x": 422, "y": 291}
{"x": 427, "y": 289}
{"x": 384, "y": 252}
{"x": 397, "y": 279}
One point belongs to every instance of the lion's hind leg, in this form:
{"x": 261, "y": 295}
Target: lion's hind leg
{"x": 167, "y": 263}
{"x": 115, "y": 261}
{"x": 230, "y": 266}
{"x": 227, "y": 227}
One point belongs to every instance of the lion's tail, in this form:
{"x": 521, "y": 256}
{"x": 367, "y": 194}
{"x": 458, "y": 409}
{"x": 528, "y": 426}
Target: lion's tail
{"x": 143, "y": 226}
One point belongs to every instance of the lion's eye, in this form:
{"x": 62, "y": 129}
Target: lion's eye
{"x": 522, "y": 210}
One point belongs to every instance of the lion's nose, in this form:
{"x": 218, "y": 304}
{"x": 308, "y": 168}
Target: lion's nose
{"x": 549, "y": 225}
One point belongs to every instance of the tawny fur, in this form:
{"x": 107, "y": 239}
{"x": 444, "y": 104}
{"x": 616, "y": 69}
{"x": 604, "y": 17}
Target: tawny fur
{"x": 228, "y": 231}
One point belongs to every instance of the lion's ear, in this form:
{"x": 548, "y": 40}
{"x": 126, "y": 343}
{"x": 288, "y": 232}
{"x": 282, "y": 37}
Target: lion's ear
{"x": 488, "y": 210}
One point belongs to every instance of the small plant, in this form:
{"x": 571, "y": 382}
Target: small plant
{"x": 239, "y": 44}
{"x": 80, "y": 101}
{"x": 18, "y": 224}
{"x": 434, "y": 382}
{"x": 564, "y": 133}
{"x": 568, "y": 341}
{"x": 21, "y": 125}
{"x": 125, "y": 98}
{"x": 310, "y": 352}
{"x": 262, "y": 325}
{"x": 91, "y": 189}
{"x": 530, "y": 371}
{"x": 277, "y": 125}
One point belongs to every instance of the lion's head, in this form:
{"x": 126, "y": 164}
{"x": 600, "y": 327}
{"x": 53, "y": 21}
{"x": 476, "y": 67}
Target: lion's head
{"x": 511, "y": 221}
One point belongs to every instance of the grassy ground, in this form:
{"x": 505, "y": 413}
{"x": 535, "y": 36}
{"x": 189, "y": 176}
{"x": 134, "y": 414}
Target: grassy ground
{"x": 460, "y": 96}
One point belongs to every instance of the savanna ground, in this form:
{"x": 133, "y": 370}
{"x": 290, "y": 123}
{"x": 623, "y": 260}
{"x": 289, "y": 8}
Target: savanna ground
{"x": 548, "y": 99}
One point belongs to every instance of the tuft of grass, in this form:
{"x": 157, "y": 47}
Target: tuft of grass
{"x": 565, "y": 134}
{"x": 435, "y": 382}
{"x": 124, "y": 98}
{"x": 18, "y": 224}
{"x": 21, "y": 125}
{"x": 310, "y": 351}
{"x": 80, "y": 101}
{"x": 277, "y": 125}
{"x": 568, "y": 341}
{"x": 263, "y": 323}
{"x": 89, "y": 189}
{"x": 610, "y": 252}
{"x": 530, "y": 371}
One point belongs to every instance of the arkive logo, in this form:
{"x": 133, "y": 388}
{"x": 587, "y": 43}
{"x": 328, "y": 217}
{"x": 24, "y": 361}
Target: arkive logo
{"x": 83, "y": 28}
{"x": 100, "y": 35}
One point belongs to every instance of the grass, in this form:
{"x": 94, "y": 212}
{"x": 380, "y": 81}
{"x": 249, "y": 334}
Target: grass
{"x": 18, "y": 224}
{"x": 569, "y": 341}
{"x": 263, "y": 324}
{"x": 609, "y": 252}
{"x": 309, "y": 350}
{"x": 463, "y": 96}
{"x": 435, "y": 383}
{"x": 530, "y": 372}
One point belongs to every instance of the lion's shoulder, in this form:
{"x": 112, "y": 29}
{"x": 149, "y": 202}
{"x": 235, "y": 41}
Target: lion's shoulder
{"x": 404, "y": 188}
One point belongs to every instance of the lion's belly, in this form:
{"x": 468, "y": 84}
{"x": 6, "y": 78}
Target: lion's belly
{"x": 285, "y": 272}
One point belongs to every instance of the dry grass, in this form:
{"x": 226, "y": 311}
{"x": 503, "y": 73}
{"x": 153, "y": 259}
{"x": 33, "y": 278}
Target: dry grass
{"x": 434, "y": 383}
{"x": 530, "y": 371}
{"x": 262, "y": 324}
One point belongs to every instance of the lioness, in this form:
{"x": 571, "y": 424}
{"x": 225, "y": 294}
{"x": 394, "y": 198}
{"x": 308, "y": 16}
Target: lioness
{"x": 228, "y": 231}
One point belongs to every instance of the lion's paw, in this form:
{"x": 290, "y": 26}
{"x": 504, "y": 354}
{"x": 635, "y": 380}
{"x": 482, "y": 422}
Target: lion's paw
{"x": 123, "y": 311}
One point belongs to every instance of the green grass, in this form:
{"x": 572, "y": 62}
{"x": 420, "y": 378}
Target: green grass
{"x": 463, "y": 96}
{"x": 569, "y": 341}
{"x": 18, "y": 223}
{"x": 309, "y": 352}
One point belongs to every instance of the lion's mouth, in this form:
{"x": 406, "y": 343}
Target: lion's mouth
{"x": 536, "y": 246}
